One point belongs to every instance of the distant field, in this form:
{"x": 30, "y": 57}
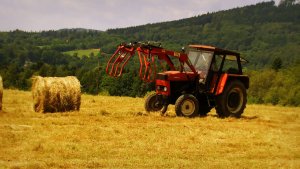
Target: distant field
{"x": 81, "y": 53}
{"x": 115, "y": 132}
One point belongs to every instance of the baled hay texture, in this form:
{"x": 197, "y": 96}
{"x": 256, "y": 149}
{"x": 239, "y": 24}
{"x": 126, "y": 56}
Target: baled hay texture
{"x": 1, "y": 92}
{"x": 56, "y": 94}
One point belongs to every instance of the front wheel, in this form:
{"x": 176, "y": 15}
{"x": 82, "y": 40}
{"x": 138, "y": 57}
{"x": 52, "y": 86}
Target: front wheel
{"x": 232, "y": 101}
{"x": 187, "y": 105}
{"x": 152, "y": 104}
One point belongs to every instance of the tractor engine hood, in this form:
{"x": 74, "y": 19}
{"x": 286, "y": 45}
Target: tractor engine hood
{"x": 177, "y": 76}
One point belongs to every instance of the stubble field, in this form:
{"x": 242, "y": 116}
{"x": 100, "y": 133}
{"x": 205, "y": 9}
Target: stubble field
{"x": 116, "y": 132}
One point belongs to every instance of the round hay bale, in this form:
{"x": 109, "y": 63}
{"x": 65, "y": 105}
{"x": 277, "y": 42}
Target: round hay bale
{"x": 56, "y": 94}
{"x": 1, "y": 93}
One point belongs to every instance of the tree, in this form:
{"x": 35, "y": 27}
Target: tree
{"x": 277, "y": 64}
{"x": 288, "y": 3}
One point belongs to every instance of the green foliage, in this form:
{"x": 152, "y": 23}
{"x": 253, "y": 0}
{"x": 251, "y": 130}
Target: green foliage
{"x": 277, "y": 64}
{"x": 266, "y": 35}
{"x": 260, "y": 32}
{"x": 84, "y": 52}
{"x": 275, "y": 87}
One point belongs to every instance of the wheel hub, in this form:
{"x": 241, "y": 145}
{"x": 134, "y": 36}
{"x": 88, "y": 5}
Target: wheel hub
{"x": 188, "y": 107}
{"x": 235, "y": 100}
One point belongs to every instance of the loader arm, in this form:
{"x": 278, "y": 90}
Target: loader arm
{"x": 119, "y": 59}
{"x": 148, "y": 54}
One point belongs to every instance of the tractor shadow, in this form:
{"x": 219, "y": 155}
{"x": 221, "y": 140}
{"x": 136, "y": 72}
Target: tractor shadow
{"x": 243, "y": 117}
{"x": 249, "y": 117}
{"x": 173, "y": 115}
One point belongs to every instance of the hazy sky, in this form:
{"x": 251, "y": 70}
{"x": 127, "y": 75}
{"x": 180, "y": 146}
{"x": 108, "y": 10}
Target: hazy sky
{"x": 37, "y": 15}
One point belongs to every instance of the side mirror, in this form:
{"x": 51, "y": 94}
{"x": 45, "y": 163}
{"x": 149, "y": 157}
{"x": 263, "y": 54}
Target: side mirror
{"x": 183, "y": 50}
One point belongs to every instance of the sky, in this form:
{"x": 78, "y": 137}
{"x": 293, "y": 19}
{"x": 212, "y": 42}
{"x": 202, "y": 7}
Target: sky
{"x": 38, "y": 15}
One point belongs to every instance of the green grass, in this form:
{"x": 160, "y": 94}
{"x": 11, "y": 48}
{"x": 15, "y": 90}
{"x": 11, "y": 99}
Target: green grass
{"x": 85, "y": 52}
{"x": 116, "y": 132}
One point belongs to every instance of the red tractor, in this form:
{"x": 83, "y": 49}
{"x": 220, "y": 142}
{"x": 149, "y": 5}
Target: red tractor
{"x": 206, "y": 77}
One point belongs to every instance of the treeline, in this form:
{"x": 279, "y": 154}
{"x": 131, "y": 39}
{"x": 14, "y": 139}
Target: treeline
{"x": 264, "y": 33}
{"x": 18, "y": 64}
{"x": 62, "y": 40}
{"x": 260, "y": 32}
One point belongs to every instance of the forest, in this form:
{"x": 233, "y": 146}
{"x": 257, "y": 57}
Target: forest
{"x": 265, "y": 34}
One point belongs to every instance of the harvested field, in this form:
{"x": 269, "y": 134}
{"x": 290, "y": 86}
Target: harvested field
{"x": 56, "y": 94}
{"x": 115, "y": 132}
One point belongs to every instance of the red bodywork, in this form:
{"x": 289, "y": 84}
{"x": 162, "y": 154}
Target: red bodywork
{"x": 221, "y": 84}
{"x": 179, "y": 76}
{"x": 225, "y": 77}
{"x": 172, "y": 76}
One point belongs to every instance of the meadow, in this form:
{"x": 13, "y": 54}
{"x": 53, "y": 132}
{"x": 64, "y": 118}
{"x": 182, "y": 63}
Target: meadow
{"x": 83, "y": 52}
{"x": 116, "y": 132}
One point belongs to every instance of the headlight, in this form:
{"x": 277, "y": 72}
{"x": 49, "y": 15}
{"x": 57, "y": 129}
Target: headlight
{"x": 165, "y": 89}
{"x": 162, "y": 88}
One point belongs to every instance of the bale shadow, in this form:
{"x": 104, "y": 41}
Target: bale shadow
{"x": 2, "y": 112}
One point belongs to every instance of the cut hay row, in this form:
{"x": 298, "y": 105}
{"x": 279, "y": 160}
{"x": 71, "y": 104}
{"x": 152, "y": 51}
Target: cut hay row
{"x": 56, "y": 94}
{"x": 1, "y": 92}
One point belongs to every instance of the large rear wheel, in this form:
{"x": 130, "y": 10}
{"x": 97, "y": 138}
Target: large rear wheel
{"x": 232, "y": 101}
{"x": 187, "y": 105}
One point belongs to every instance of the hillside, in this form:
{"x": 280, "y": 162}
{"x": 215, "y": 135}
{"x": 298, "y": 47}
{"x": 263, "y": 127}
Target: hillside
{"x": 260, "y": 32}
{"x": 263, "y": 33}
{"x": 111, "y": 132}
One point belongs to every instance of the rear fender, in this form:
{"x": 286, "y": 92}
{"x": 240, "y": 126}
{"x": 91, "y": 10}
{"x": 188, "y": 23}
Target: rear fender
{"x": 226, "y": 78}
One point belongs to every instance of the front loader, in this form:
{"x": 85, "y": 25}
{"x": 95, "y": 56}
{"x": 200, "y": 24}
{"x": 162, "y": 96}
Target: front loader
{"x": 208, "y": 77}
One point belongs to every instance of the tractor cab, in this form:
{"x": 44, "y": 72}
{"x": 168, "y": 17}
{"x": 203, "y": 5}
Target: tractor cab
{"x": 213, "y": 64}
{"x": 201, "y": 60}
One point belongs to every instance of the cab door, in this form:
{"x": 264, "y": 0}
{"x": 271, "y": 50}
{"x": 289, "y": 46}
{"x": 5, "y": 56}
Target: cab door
{"x": 222, "y": 66}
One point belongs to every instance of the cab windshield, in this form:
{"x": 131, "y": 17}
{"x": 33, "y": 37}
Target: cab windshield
{"x": 200, "y": 59}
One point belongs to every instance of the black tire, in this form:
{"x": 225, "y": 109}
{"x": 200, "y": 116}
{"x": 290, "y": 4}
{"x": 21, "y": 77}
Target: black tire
{"x": 151, "y": 103}
{"x": 232, "y": 101}
{"x": 187, "y": 105}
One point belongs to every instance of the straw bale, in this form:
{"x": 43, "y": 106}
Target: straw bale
{"x": 56, "y": 94}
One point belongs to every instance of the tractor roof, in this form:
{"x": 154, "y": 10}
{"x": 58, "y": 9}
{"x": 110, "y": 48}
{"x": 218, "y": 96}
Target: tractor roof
{"x": 214, "y": 49}
{"x": 219, "y": 51}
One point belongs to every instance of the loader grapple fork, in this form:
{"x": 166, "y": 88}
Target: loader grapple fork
{"x": 149, "y": 54}
{"x": 122, "y": 55}
{"x": 147, "y": 70}
{"x": 118, "y": 60}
